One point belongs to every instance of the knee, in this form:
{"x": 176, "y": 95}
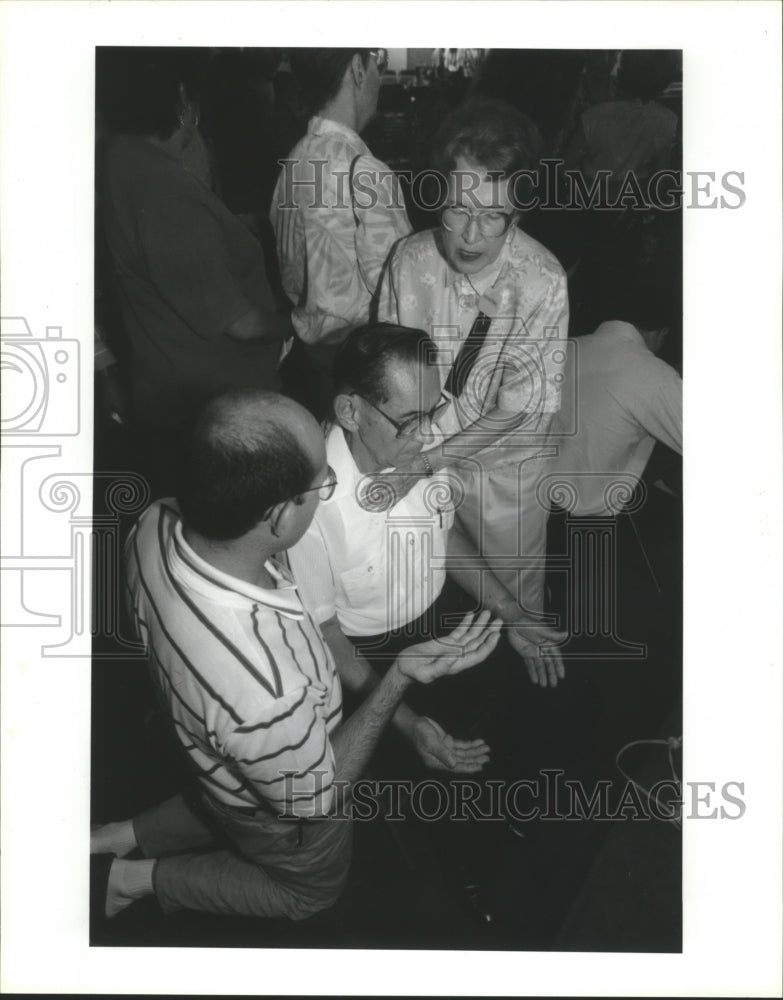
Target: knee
{"x": 304, "y": 907}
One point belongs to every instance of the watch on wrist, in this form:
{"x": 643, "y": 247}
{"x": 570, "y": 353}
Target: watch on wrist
{"x": 428, "y": 469}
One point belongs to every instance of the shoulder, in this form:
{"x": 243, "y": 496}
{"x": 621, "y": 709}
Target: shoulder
{"x": 150, "y": 538}
{"x": 598, "y": 112}
{"x": 662, "y": 375}
{"x": 529, "y": 257}
{"x": 334, "y": 145}
{"x": 664, "y": 116}
{"x": 159, "y": 517}
{"x": 417, "y": 248}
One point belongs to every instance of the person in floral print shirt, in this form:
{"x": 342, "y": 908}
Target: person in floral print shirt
{"x": 336, "y": 213}
{"x": 481, "y": 287}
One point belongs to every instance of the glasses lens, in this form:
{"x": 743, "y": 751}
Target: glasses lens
{"x": 410, "y": 426}
{"x": 493, "y": 223}
{"x": 454, "y": 219}
{"x": 418, "y": 423}
{"x": 489, "y": 223}
{"x": 326, "y": 489}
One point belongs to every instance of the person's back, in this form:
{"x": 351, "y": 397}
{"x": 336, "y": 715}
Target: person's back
{"x": 185, "y": 268}
{"x": 618, "y": 399}
{"x": 336, "y": 210}
{"x": 633, "y": 133}
{"x": 627, "y": 135}
{"x": 230, "y": 658}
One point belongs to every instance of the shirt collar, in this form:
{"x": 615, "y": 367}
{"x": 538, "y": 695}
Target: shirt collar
{"x": 327, "y": 126}
{"x": 223, "y": 588}
{"x": 339, "y": 456}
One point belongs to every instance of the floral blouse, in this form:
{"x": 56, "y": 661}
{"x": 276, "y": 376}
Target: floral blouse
{"x": 520, "y": 365}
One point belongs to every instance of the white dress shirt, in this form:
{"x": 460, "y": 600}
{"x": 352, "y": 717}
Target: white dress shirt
{"x": 375, "y": 570}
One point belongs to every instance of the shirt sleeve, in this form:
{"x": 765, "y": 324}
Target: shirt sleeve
{"x": 380, "y": 214}
{"x": 188, "y": 262}
{"x": 534, "y": 384}
{"x": 657, "y": 405}
{"x": 312, "y": 572}
{"x": 284, "y": 752}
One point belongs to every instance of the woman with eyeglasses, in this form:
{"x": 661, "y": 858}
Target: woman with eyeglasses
{"x": 495, "y": 302}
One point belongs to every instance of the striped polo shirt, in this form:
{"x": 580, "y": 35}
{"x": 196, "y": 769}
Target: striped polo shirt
{"x": 247, "y": 677}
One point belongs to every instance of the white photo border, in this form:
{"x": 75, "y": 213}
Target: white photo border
{"x": 732, "y": 334}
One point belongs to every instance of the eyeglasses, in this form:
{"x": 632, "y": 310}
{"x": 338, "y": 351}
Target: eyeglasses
{"x": 381, "y": 57}
{"x": 411, "y": 425}
{"x": 326, "y": 489}
{"x": 490, "y": 224}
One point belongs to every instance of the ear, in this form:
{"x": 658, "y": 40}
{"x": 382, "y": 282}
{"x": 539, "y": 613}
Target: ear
{"x": 278, "y": 518}
{"x": 357, "y": 70}
{"x": 345, "y": 412}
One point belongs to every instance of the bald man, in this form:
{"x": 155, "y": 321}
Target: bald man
{"x": 250, "y": 684}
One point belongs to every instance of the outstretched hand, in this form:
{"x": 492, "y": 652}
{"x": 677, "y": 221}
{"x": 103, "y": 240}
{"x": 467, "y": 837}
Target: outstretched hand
{"x": 537, "y": 645}
{"x": 469, "y": 644}
{"x": 440, "y": 751}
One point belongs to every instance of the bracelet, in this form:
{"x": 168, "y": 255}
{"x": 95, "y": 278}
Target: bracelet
{"x": 428, "y": 469}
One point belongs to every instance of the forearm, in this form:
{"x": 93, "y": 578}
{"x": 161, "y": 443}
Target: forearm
{"x": 354, "y": 741}
{"x": 357, "y": 675}
{"x": 473, "y": 439}
{"x": 467, "y": 568}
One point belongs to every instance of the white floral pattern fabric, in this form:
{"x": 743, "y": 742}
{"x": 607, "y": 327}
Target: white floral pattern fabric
{"x": 520, "y": 365}
{"x": 519, "y": 369}
{"x": 333, "y": 236}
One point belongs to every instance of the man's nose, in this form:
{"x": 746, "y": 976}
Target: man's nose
{"x": 471, "y": 232}
{"x": 424, "y": 433}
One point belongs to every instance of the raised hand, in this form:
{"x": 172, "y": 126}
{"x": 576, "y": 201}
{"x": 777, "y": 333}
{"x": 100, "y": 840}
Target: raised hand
{"x": 469, "y": 644}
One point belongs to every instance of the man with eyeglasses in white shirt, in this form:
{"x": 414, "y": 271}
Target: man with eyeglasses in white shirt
{"x": 378, "y": 577}
{"x": 373, "y": 574}
{"x": 336, "y": 212}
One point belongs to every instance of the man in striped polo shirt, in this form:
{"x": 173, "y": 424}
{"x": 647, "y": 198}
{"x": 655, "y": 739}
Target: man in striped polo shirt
{"x": 248, "y": 681}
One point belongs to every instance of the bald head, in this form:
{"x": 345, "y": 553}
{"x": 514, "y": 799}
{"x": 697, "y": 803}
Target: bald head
{"x": 250, "y": 450}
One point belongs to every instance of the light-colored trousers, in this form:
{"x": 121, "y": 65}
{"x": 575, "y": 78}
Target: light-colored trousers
{"x": 279, "y": 868}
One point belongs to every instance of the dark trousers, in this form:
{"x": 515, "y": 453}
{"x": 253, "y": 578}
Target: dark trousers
{"x": 468, "y": 706}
